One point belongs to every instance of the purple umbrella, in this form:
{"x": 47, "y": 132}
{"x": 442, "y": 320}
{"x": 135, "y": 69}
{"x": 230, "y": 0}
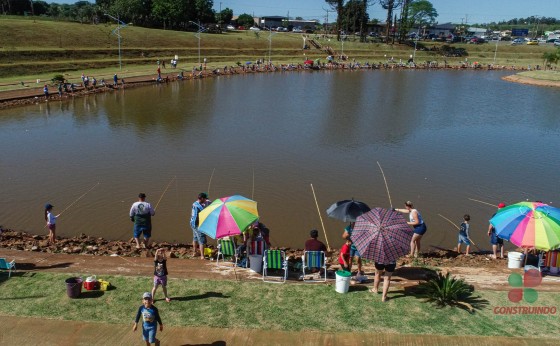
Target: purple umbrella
{"x": 382, "y": 235}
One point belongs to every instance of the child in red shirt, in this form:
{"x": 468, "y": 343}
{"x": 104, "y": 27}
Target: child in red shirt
{"x": 344, "y": 258}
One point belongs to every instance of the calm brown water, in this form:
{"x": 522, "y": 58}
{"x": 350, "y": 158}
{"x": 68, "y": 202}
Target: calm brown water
{"x": 442, "y": 137}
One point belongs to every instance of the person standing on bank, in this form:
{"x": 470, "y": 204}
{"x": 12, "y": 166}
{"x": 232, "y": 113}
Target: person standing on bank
{"x": 496, "y": 241}
{"x": 199, "y": 238}
{"x": 141, "y": 214}
{"x": 50, "y": 218}
{"x": 417, "y": 222}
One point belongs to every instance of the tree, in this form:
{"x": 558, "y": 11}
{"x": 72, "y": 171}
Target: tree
{"x": 338, "y": 6}
{"x": 551, "y": 57}
{"x": 421, "y": 12}
{"x": 354, "y": 12}
{"x": 245, "y": 20}
{"x": 225, "y": 16}
{"x": 390, "y": 6}
{"x": 204, "y": 11}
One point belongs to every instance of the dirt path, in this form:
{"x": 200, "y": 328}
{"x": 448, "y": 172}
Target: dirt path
{"x": 85, "y": 265}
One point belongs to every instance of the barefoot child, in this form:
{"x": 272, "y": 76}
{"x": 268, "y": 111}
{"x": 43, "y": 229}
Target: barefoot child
{"x": 150, "y": 319}
{"x": 464, "y": 235}
{"x": 160, "y": 273}
{"x": 51, "y": 222}
{"x": 344, "y": 257}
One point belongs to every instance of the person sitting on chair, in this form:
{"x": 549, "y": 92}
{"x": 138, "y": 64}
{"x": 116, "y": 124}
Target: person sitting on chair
{"x": 313, "y": 244}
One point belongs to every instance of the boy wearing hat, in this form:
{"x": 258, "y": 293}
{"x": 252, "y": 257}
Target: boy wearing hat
{"x": 150, "y": 319}
{"x": 198, "y": 237}
{"x": 494, "y": 239}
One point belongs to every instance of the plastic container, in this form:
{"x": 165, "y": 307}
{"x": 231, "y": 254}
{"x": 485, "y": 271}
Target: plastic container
{"x": 343, "y": 281}
{"x": 74, "y": 287}
{"x": 91, "y": 283}
{"x": 515, "y": 259}
{"x": 255, "y": 263}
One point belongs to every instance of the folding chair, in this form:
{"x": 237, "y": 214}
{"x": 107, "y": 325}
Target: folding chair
{"x": 226, "y": 247}
{"x": 275, "y": 259}
{"x": 9, "y": 266}
{"x": 255, "y": 248}
{"x": 314, "y": 260}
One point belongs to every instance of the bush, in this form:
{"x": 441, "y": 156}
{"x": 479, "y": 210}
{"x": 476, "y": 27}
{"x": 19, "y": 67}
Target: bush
{"x": 445, "y": 290}
{"x": 58, "y": 78}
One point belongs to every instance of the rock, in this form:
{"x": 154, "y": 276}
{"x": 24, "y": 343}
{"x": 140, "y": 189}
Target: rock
{"x": 76, "y": 249}
{"x": 36, "y": 237}
{"x": 172, "y": 255}
{"x": 35, "y": 248}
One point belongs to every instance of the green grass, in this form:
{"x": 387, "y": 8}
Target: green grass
{"x": 542, "y": 75}
{"x": 289, "y": 307}
{"x": 38, "y": 48}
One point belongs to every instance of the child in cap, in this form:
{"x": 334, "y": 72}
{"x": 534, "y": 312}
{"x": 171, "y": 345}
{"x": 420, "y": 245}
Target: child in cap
{"x": 160, "y": 273}
{"x": 50, "y": 218}
{"x": 464, "y": 235}
{"x": 150, "y": 319}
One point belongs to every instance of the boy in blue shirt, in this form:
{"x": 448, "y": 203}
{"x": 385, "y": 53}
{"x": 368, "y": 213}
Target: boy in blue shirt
{"x": 464, "y": 235}
{"x": 150, "y": 319}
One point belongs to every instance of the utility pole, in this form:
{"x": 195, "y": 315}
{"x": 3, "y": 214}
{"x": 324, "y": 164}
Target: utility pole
{"x": 327, "y": 22}
{"x": 117, "y": 32}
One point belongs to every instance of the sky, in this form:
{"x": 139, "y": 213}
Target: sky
{"x": 455, "y": 11}
{"x": 470, "y": 11}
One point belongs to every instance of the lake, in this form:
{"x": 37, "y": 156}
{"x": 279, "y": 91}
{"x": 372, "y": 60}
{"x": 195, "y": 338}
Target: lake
{"x": 443, "y": 138}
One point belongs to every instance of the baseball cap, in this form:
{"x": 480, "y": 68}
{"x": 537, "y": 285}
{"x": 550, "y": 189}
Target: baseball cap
{"x": 501, "y": 205}
{"x": 142, "y": 195}
{"x": 147, "y": 295}
{"x": 48, "y": 206}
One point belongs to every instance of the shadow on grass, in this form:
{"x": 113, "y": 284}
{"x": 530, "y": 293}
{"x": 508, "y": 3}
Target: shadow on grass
{"x": 91, "y": 294}
{"x": 215, "y": 343}
{"x": 33, "y": 266}
{"x": 414, "y": 273}
{"x": 4, "y": 276}
{"x": 200, "y": 296}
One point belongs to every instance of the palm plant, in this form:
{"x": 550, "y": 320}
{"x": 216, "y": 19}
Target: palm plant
{"x": 447, "y": 290}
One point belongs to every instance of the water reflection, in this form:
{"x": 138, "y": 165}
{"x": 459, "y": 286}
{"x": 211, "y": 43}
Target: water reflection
{"x": 442, "y": 137}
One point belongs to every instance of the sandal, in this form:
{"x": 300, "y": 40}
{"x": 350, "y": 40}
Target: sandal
{"x": 373, "y": 290}
{"x": 167, "y": 299}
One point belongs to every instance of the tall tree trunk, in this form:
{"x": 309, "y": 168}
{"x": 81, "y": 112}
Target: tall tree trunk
{"x": 339, "y": 8}
{"x": 390, "y": 6}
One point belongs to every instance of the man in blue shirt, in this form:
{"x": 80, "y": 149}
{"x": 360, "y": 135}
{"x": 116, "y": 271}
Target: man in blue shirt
{"x": 198, "y": 237}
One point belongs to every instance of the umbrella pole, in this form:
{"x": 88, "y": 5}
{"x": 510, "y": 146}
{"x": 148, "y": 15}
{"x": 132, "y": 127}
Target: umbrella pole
{"x": 454, "y": 224}
{"x": 320, "y": 218}
{"x": 164, "y": 191}
{"x": 386, "y": 186}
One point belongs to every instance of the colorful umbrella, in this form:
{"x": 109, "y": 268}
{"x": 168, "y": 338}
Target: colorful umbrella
{"x": 347, "y": 210}
{"x": 529, "y": 224}
{"x": 228, "y": 216}
{"x": 382, "y": 235}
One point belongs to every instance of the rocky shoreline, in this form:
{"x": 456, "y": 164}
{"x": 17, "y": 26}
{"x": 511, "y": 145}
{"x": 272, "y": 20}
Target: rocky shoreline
{"x": 98, "y": 246}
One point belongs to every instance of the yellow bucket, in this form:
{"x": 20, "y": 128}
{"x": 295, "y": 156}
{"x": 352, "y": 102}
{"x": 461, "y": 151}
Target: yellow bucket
{"x": 104, "y": 285}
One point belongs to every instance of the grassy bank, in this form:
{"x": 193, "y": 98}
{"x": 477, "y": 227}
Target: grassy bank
{"x": 290, "y": 307}
{"x": 42, "y": 48}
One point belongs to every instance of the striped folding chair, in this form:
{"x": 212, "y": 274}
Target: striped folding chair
{"x": 314, "y": 260}
{"x": 275, "y": 259}
{"x": 255, "y": 248}
{"x": 226, "y": 247}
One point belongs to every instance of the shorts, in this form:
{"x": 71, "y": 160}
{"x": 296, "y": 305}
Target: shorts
{"x": 463, "y": 239}
{"x": 420, "y": 229}
{"x": 198, "y": 236}
{"x": 160, "y": 280}
{"x": 149, "y": 334}
{"x": 495, "y": 240}
{"x": 354, "y": 252}
{"x": 141, "y": 229}
{"x": 389, "y": 268}
{"x": 52, "y": 227}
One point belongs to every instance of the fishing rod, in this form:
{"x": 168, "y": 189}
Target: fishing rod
{"x": 320, "y": 218}
{"x": 164, "y": 191}
{"x": 469, "y": 238}
{"x": 210, "y": 181}
{"x": 476, "y": 200}
{"x": 386, "y": 186}
{"x": 76, "y": 201}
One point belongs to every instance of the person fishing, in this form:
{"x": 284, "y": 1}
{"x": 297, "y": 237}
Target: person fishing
{"x": 141, "y": 214}
{"x": 50, "y": 218}
{"x": 417, "y": 222}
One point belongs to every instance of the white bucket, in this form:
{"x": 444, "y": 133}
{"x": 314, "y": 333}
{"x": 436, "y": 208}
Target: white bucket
{"x": 515, "y": 259}
{"x": 342, "y": 283}
{"x": 255, "y": 263}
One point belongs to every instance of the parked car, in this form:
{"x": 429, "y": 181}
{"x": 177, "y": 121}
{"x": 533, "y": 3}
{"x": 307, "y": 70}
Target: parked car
{"x": 477, "y": 40}
{"x": 533, "y": 42}
{"x": 297, "y": 29}
{"x": 230, "y": 27}
{"x": 517, "y": 41}
{"x": 557, "y": 43}
{"x": 281, "y": 29}
{"x": 373, "y": 34}
{"x": 308, "y": 31}
{"x": 254, "y": 28}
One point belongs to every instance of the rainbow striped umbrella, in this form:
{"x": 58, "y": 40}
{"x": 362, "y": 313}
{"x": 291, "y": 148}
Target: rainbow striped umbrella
{"x": 529, "y": 224}
{"x": 227, "y": 216}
